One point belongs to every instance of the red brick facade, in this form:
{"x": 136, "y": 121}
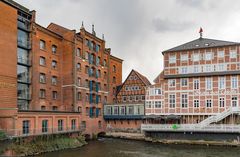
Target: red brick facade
{"x": 52, "y": 77}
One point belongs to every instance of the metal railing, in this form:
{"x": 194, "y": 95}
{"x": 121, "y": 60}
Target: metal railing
{"x": 220, "y": 116}
{"x": 225, "y": 128}
{"x": 12, "y": 133}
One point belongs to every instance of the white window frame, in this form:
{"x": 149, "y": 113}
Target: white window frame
{"x": 234, "y": 82}
{"x": 208, "y": 86}
{"x": 196, "y": 103}
{"x": 196, "y": 57}
{"x": 220, "y": 54}
{"x": 233, "y": 54}
{"x": 172, "y": 102}
{"x": 234, "y": 101}
{"x": 184, "y": 57}
{"x": 184, "y": 82}
{"x": 158, "y": 104}
{"x": 207, "y": 102}
{"x": 221, "y": 82}
{"x": 172, "y": 59}
{"x": 196, "y": 82}
{"x": 171, "y": 82}
{"x": 208, "y": 56}
{"x": 221, "y": 102}
{"x": 184, "y": 100}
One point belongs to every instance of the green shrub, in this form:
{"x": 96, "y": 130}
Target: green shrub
{"x": 2, "y": 135}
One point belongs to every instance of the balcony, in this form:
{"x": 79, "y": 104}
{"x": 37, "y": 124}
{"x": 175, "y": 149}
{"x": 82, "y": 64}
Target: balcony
{"x": 24, "y": 25}
{"x": 24, "y": 61}
{"x": 24, "y": 44}
{"x": 23, "y": 96}
{"x": 123, "y": 117}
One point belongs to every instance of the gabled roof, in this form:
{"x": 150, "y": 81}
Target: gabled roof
{"x": 143, "y": 78}
{"x": 201, "y": 43}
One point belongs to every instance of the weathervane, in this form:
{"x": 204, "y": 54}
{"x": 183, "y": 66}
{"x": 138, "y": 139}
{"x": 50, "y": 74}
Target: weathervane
{"x": 201, "y": 32}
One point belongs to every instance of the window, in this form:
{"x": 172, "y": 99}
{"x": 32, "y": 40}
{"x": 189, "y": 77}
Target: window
{"x": 221, "y": 82}
{"x": 158, "y": 91}
{"x": 42, "y": 45}
{"x": 78, "y": 52}
{"x": 79, "y": 67}
{"x": 54, "y": 108}
{"x": 124, "y": 98}
{"x": 115, "y": 110}
{"x": 196, "y": 103}
{"x": 208, "y": 56}
{"x": 73, "y": 124}
{"x": 183, "y": 70}
{"x": 195, "y": 84}
{"x": 43, "y": 108}
{"x": 105, "y": 62}
{"x": 220, "y": 54}
{"x": 184, "y": 57}
{"x": 208, "y": 68}
{"x": 54, "y": 64}
{"x": 42, "y": 78}
{"x": 196, "y": 69}
{"x": 45, "y": 126}
{"x": 83, "y": 125}
{"x": 208, "y": 103}
{"x": 54, "y": 49}
{"x": 233, "y": 54}
{"x": 172, "y": 101}
{"x": 60, "y": 125}
{"x": 79, "y": 96}
{"x": 54, "y": 80}
{"x": 158, "y": 104}
{"x": 221, "y": 102}
{"x": 80, "y": 109}
{"x": 184, "y": 82}
{"x": 130, "y": 110}
{"x": 208, "y": 83}
{"x": 105, "y": 75}
{"x": 42, "y": 93}
{"x": 234, "y": 101}
{"x": 172, "y": 83}
{"x": 184, "y": 100}
{"x": 42, "y": 61}
{"x": 25, "y": 127}
{"x": 78, "y": 81}
{"x": 172, "y": 59}
{"x": 234, "y": 82}
{"x": 86, "y": 55}
{"x": 114, "y": 68}
{"x": 54, "y": 95}
{"x": 196, "y": 57}
{"x": 221, "y": 67}
{"x": 114, "y": 79}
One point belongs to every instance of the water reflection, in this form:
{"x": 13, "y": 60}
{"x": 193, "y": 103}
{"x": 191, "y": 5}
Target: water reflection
{"x": 126, "y": 148}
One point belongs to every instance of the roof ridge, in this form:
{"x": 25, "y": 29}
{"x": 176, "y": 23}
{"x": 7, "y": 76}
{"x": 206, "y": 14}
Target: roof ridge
{"x": 201, "y": 43}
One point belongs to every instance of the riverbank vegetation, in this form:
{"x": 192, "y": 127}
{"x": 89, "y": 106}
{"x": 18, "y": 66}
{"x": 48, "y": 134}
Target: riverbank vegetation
{"x": 42, "y": 144}
{"x": 2, "y": 135}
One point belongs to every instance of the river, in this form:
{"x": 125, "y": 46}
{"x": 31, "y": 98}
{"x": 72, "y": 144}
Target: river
{"x": 125, "y": 148}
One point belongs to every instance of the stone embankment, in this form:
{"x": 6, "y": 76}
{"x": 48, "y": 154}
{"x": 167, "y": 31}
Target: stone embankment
{"x": 141, "y": 137}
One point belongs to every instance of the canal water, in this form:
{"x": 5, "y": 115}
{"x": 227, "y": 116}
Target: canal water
{"x": 125, "y": 148}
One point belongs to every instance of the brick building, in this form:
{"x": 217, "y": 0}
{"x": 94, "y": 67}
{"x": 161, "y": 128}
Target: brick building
{"x": 127, "y": 112}
{"x": 53, "y": 79}
{"x": 199, "y": 85}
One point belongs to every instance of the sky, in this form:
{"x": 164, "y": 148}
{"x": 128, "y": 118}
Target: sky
{"x": 139, "y": 30}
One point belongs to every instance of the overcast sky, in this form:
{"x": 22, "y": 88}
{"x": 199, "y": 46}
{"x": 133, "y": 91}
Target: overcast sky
{"x": 139, "y": 30}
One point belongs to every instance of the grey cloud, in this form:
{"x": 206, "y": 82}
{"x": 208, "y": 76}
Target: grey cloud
{"x": 130, "y": 26}
{"x": 164, "y": 25}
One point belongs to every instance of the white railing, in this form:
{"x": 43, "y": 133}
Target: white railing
{"x": 218, "y": 117}
{"x": 225, "y": 128}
